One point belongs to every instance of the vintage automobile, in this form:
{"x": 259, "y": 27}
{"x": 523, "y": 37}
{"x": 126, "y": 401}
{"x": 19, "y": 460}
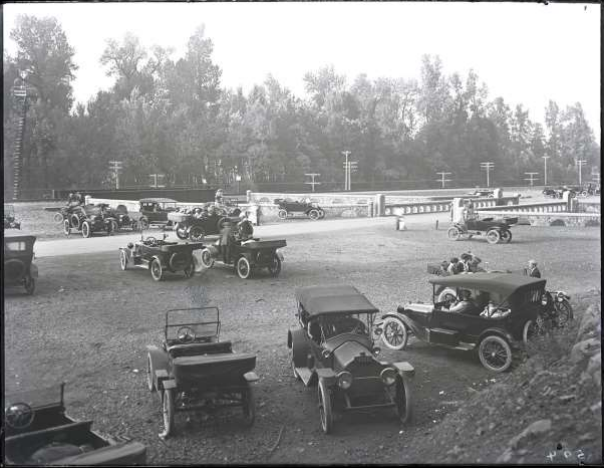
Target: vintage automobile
{"x": 556, "y": 312}
{"x": 247, "y": 256}
{"x": 154, "y": 212}
{"x": 495, "y": 230}
{"x": 483, "y": 193}
{"x": 39, "y": 432}
{"x": 9, "y": 218}
{"x": 64, "y": 212}
{"x": 333, "y": 348}
{"x": 196, "y": 227}
{"x": 289, "y": 208}
{"x": 90, "y": 219}
{"x": 122, "y": 219}
{"x": 19, "y": 268}
{"x": 589, "y": 189}
{"x": 495, "y": 335}
{"x": 194, "y": 371}
{"x": 159, "y": 256}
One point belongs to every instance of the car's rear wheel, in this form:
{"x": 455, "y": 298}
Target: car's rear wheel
{"x": 282, "y": 214}
{"x": 321, "y": 213}
{"x": 506, "y": 236}
{"x": 181, "y": 231}
{"x": 275, "y": 268}
{"x": 248, "y": 405}
{"x": 196, "y": 233}
{"x": 58, "y": 217}
{"x": 30, "y": 284}
{"x": 403, "y": 399}
{"x": 206, "y": 258}
{"x": 168, "y": 412}
{"x": 394, "y": 333}
{"x": 564, "y": 313}
{"x": 123, "y": 260}
{"x": 325, "y": 407}
{"x": 66, "y": 227}
{"x": 530, "y": 331}
{"x": 314, "y": 214}
{"x": 86, "y": 231}
{"x": 493, "y": 236}
{"x": 244, "y": 269}
{"x": 495, "y": 353}
{"x": 150, "y": 374}
{"x": 453, "y": 233}
{"x": 156, "y": 270}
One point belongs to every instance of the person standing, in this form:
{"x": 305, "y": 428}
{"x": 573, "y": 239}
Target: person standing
{"x": 225, "y": 241}
{"x": 533, "y": 271}
{"x": 218, "y": 198}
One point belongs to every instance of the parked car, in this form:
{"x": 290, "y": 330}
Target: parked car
{"x": 289, "y": 208}
{"x": 64, "y": 212}
{"x": 495, "y": 230}
{"x": 19, "y": 268}
{"x": 194, "y": 371}
{"x": 198, "y": 224}
{"x": 333, "y": 348}
{"x": 9, "y": 218}
{"x": 154, "y": 211}
{"x": 247, "y": 256}
{"x": 90, "y": 219}
{"x": 483, "y": 193}
{"x": 493, "y": 332}
{"x": 122, "y": 218}
{"x": 159, "y": 256}
{"x": 39, "y": 432}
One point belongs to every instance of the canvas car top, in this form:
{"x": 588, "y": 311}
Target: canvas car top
{"x": 16, "y": 235}
{"x": 157, "y": 200}
{"x": 333, "y": 299}
{"x": 503, "y": 283}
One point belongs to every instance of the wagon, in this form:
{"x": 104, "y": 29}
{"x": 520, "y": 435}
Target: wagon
{"x": 159, "y": 256}
{"x": 19, "y": 269}
{"x": 194, "y": 371}
{"x": 494, "y": 230}
{"x": 39, "y": 432}
{"x": 247, "y": 256}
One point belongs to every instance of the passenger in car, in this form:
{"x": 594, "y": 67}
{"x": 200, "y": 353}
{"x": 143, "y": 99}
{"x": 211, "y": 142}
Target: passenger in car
{"x": 464, "y": 304}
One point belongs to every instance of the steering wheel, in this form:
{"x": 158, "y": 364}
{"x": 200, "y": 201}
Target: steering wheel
{"x": 185, "y": 334}
{"x": 19, "y": 415}
{"x": 151, "y": 240}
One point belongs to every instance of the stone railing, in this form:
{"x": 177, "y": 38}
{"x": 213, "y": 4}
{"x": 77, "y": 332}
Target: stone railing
{"x": 545, "y": 207}
{"x": 435, "y": 206}
{"x": 551, "y": 218}
{"x": 588, "y": 207}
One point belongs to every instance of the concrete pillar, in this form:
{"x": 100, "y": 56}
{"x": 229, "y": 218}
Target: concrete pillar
{"x": 380, "y": 204}
{"x": 566, "y": 198}
{"x": 456, "y": 208}
{"x": 248, "y": 196}
{"x": 370, "y": 209}
{"x": 498, "y": 193}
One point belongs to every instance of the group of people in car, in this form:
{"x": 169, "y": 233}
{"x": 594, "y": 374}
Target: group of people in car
{"x": 465, "y": 263}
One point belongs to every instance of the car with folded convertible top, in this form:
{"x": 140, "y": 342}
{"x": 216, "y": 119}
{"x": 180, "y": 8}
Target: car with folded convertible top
{"x": 333, "y": 349}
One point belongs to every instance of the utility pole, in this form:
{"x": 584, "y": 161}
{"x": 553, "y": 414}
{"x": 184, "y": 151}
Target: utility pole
{"x": 116, "y": 167}
{"x": 487, "y": 166}
{"x": 346, "y": 170}
{"x": 580, "y": 164}
{"x": 531, "y": 177}
{"x": 352, "y": 167}
{"x": 313, "y": 183}
{"x": 442, "y": 179}
{"x": 545, "y": 158}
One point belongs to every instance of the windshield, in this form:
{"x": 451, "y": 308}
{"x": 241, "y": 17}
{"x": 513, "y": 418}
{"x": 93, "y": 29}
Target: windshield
{"x": 202, "y": 322}
{"x": 333, "y": 325}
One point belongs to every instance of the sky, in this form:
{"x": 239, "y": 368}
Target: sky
{"x": 527, "y": 53}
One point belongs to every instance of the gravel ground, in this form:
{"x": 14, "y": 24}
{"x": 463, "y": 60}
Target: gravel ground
{"x": 89, "y": 322}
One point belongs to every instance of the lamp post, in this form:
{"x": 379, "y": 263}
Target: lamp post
{"x": 581, "y": 163}
{"x": 545, "y": 158}
{"x": 346, "y": 170}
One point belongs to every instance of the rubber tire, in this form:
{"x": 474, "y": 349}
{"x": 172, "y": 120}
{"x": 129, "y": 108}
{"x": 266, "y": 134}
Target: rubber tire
{"x": 400, "y": 327}
{"x": 525, "y": 331}
{"x": 493, "y": 236}
{"x": 58, "y": 218}
{"x": 244, "y": 262}
{"x": 282, "y": 214}
{"x": 325, "y": 409}
{"x": 293, "y": 364}
{"x": 66, "y": 227}
{"x": 30, "y": 284}
{"x": 76, "y": 222}
{"x": 321, "y": 213}
{"x": 314, "y": 214}
{"x": 565, "y": 308}
{"x": 506, "y": 236}
{"x": 123, "y": 260}
{"x": 86, "y": 230}
{"x": 248, "y": 406}
{"x": 181, "y": 232}
{"x": 150, "y": 373}
{"x": 453, "y": 233}
{"x": 505, "y": 346}
{"x": 158, "y": 275}
{"x": 442, "y": 296}
{"x": 275, "y": 269}
{"x": 196, "y": 233}
{"x": 403, "y": 392}
{"x": 168, "y": 413}
{"x": 206, "y": 258}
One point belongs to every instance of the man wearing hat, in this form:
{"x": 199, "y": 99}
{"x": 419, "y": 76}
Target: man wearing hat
{"x": 533, "y": 270}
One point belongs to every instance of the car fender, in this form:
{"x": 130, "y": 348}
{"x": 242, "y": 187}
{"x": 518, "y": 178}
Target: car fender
{"x": 411, "y": 324}
{"x": 33, "y": 270}
{"x": 160, "y": 260}
{"x": 404, "y": 369}
{"x": 168, "y": 384}
{"x": 327, "y": 375}
{"x": 298, "y": 341}
{"x": 159, "y": 361}
{"x": 499, "y": 332}
{"x": 127, "y": 252}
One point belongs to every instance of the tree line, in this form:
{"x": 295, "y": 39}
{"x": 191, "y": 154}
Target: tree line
{"x": 173, "y": 117}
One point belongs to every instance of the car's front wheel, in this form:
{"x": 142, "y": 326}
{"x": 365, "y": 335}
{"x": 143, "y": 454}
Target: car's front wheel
{"x": 564, "y": 313}
{"x": 321, "y": 213}
{"x": 282, "y": 214}
{"x": 394, "y": 333}
{"x": 196, "y": 234}
{"x": 156, "y": 270}
{"x": 30, "y": 284}
{"x": 206, "y": 258}
{"x": 123, "y": 260}
{"x": 181, "y": 231}
{"x": 493, "y": 236}
{"x": 453, "y": 233}
{"x": 403, "y": 399}
{"x": 495, "y": 353}
{"x": 314, "y": 214}
{"x": 244, "y": 269}
{"x": 325, "y": 407}
{"x": 506, "y": 236}
{"x": 168, "y": 412}
{"x": 86, "y": 230}
{"x": 66, "y": 227}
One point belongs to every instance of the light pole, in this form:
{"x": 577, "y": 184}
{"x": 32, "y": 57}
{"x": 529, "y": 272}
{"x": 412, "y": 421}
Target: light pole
{"x": 442, "y": 179}
{"x": 346, "y": 170}
{"x": 116, "y": 167}
{"x": 487, "y": 166}
{"x": 581, "y": 163}
{"x": 545, "y": 158}
{"x": 531, "y": 176}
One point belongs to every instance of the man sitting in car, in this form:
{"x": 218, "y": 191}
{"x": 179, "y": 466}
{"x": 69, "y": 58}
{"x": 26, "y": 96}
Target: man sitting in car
{"x": 464, "y": 303}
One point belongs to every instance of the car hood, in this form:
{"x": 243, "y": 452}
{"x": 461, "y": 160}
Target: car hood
{"x": 347, "y": 347}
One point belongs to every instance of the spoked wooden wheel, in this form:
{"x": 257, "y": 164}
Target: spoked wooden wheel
{"x": 394, "y": 333}
{"x": 493, "y": 236}
{"x": 282, "y": 214}
{"x": 506, "y": 236}
{"x": 206, "y": 258}
{"x": 156, "y": 270}
{"x": 123, "y": 260}
{"x": 30, "y": 284}
{"x": 196, "y": 233}
{"x": 314, "y": 214}
{"x": 244, "y": 269}
{"x": 564, "y": 313}
{"x": 453, "y": 233}
{"x": 86, "y": 231}
{"x": 403, "y": 399}
{"x": 66, "y": 227}
{"x": 58, "y": 218}
{"x": 495, "y": 353}
{"x": 168, "y": 413}
{"x": 325, "y": 409}
{"x": 150, "y": 374}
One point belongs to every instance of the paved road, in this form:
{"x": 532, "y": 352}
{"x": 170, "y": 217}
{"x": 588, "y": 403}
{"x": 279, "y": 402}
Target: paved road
{"x": 95, "y": 244}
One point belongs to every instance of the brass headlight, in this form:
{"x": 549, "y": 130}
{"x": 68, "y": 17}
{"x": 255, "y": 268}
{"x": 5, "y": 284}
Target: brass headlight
{"x": 388, "y": 376}
{"x": 344, "y": 380}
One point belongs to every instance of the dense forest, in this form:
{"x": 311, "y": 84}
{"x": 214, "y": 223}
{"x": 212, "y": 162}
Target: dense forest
{"x": 173, "y": 117}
